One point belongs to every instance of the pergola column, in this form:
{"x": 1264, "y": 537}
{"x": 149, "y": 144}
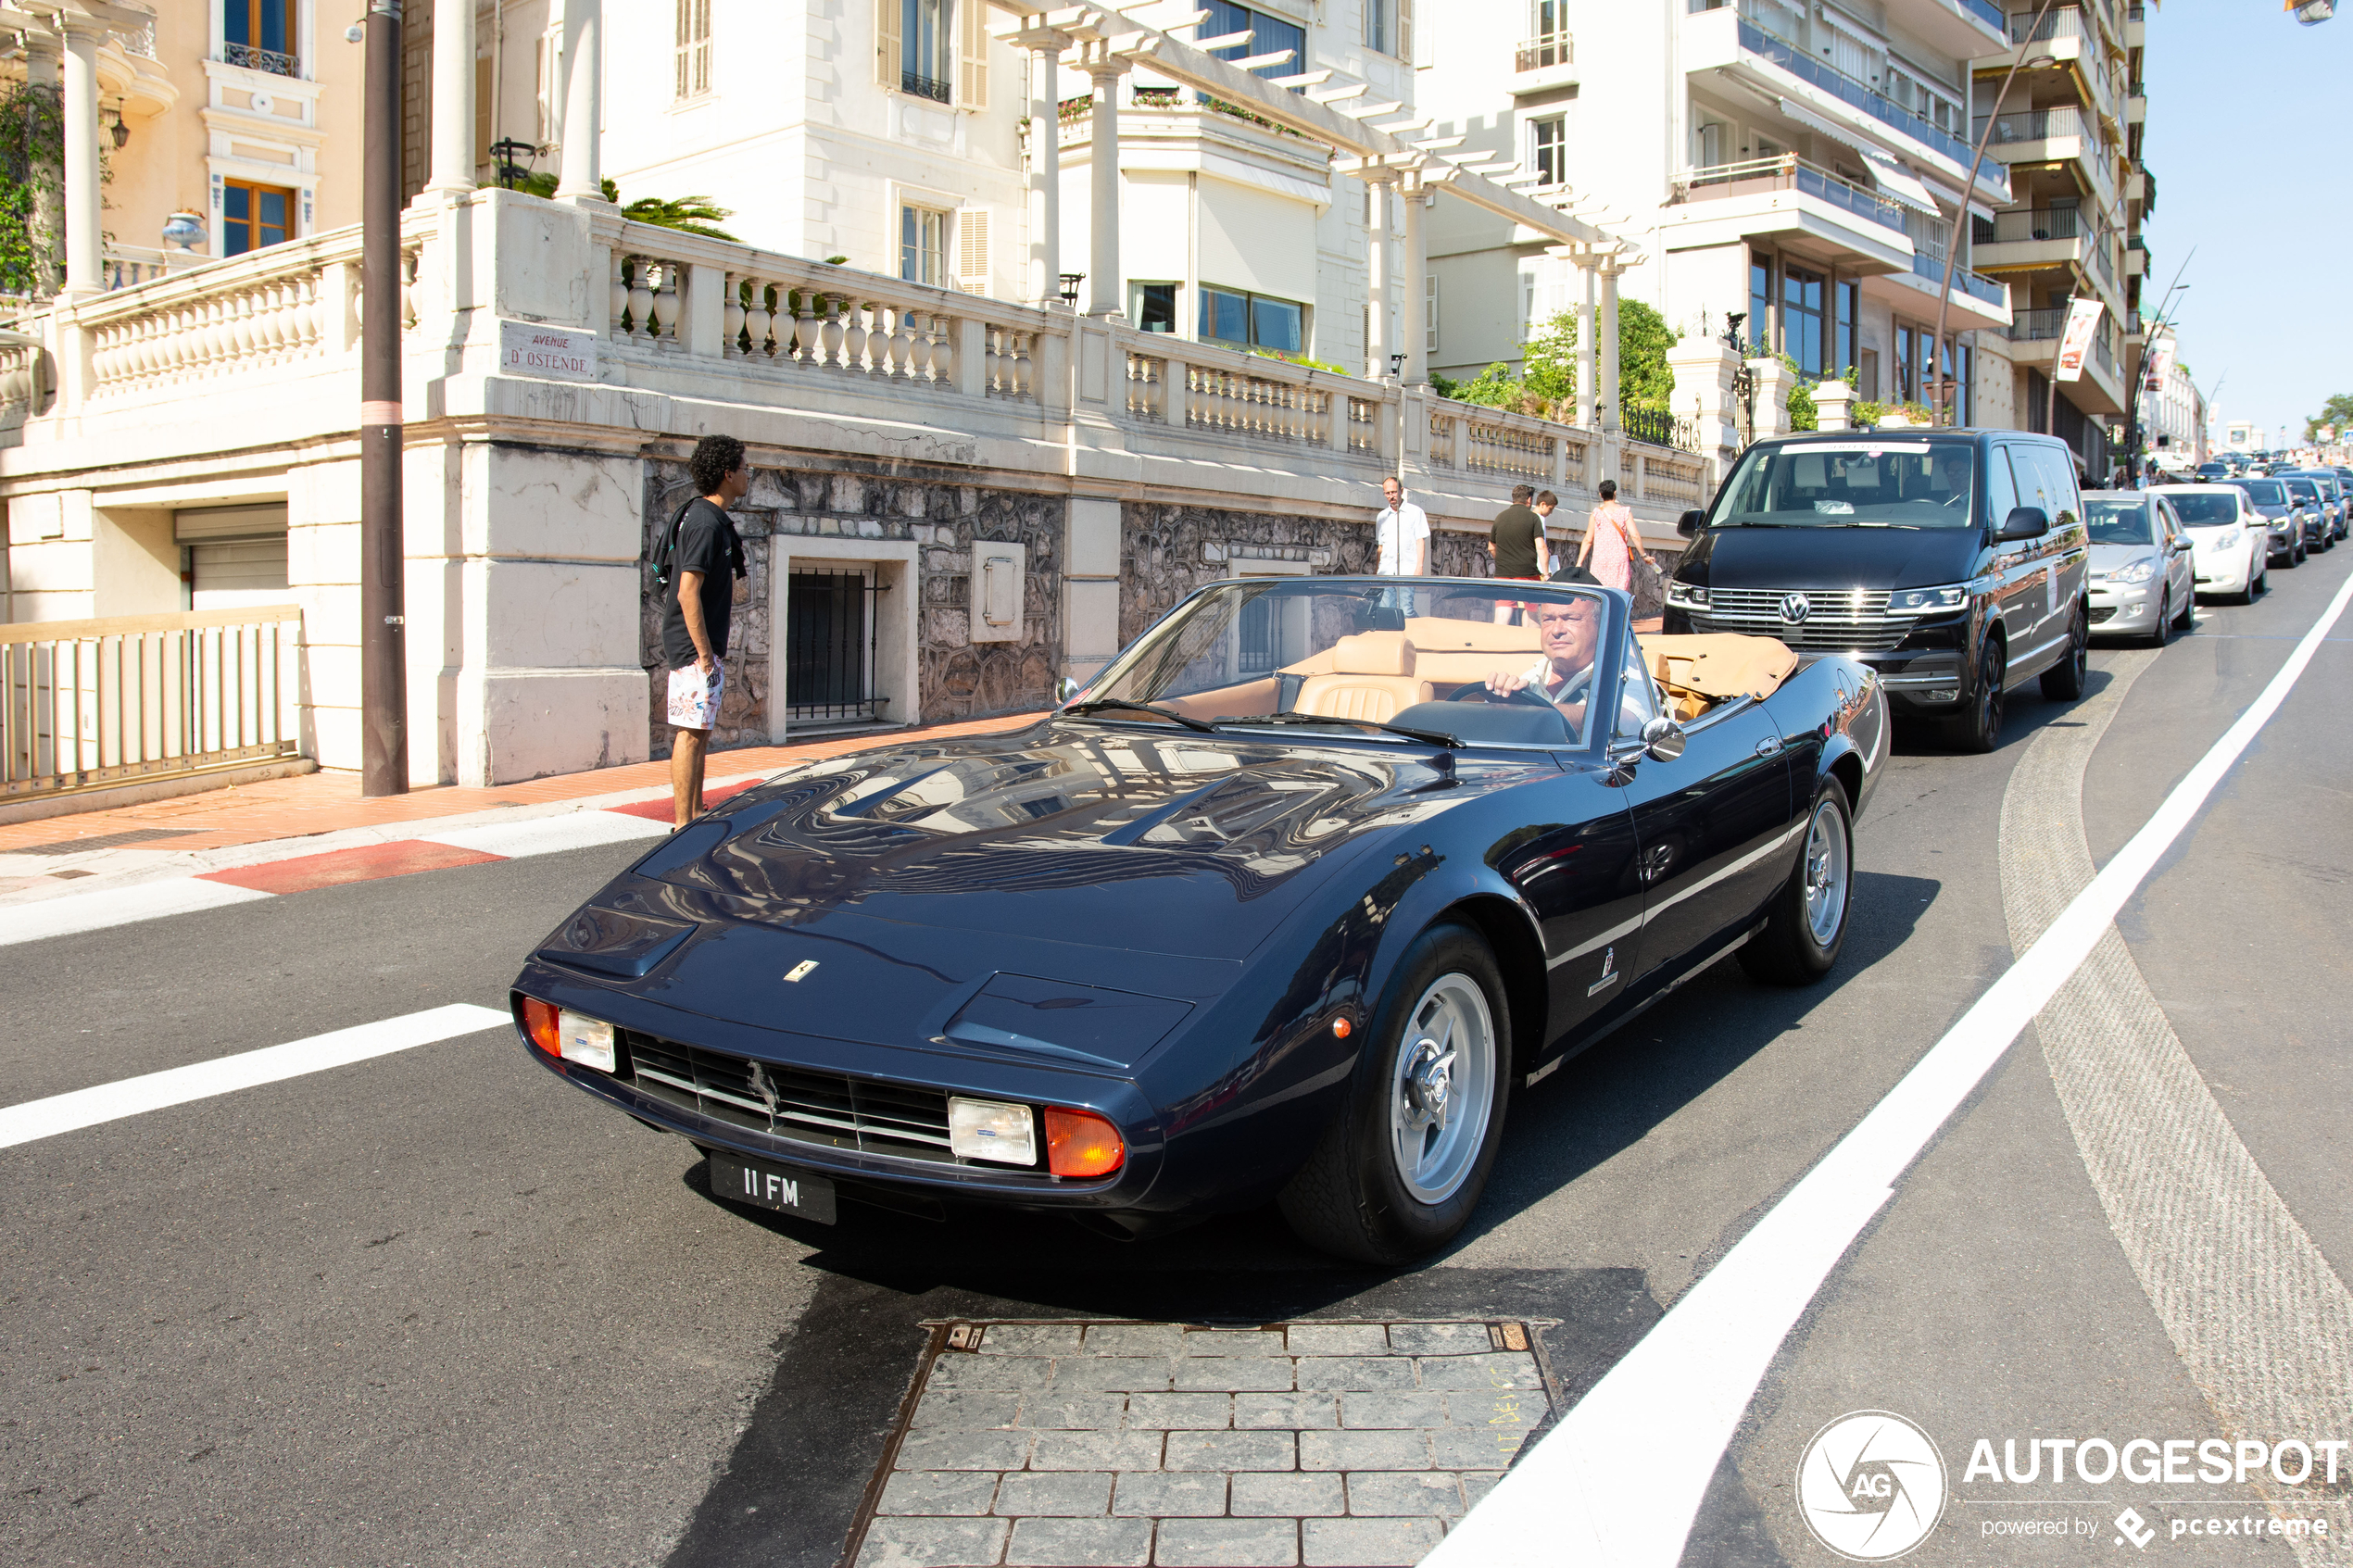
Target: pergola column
{"x": 1414, "y": 317}
{"x": 1606, "y": 381}
{"x": 1377, "y": 349}
{"x": 44, "y": 53}
{"x": 1585, "y": 348}
{"x": 1044, "y": 161}
{"x": 84, "y": 261}
{"x": 453, "y": 100}
{"x": 582, "y": 175}
{"x": 1105, "y": 289}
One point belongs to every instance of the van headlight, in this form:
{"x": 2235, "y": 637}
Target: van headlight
{"x": 1952, "y": 596}
{"x": 1686, "y": 596}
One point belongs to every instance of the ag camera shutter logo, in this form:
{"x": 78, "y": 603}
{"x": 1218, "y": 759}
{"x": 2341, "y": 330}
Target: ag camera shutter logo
{"x": 1870, "y": 1485}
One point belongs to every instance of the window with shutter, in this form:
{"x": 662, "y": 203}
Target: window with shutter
{"x": 972, "y": 79}
{"x": 1404, "y": 31}
{"x": 1429, "y": 313}
{"x": 972, "y": 249}
{"x": 886, "y": 51}
{"x": 694, "y": 48}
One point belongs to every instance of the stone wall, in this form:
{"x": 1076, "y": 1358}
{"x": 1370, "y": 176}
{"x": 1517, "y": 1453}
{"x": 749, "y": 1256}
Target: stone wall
{"x": 958, "y": 678}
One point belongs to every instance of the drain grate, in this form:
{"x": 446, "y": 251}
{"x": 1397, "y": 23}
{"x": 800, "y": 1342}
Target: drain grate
{"x": 1123, "y": 1442}
{"x": 99, "y": 841}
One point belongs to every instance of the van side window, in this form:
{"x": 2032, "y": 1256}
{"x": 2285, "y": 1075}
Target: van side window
{"x": 2033, "y": 481}
{"x": 2057, "y": 470}
{"x": 2001, "y": 490}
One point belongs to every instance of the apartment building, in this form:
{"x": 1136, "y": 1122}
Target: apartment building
{"x": 2069, "y": 132}
{"x": 1795, "y": 165}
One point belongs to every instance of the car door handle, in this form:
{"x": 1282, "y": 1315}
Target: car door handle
{"x": 1769, "y": 747}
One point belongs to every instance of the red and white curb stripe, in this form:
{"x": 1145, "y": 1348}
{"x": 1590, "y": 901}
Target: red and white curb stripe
{"x": 470, "y": 845}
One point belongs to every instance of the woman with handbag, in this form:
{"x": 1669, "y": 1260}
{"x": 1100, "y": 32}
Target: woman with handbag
{"x": 1611, "y": 542}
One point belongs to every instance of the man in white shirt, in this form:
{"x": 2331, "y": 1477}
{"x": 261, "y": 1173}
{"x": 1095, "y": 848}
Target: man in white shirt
{"x": 1403, "y": 533}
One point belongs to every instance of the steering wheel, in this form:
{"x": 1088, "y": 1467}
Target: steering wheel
{"x": 1575, "y": 691}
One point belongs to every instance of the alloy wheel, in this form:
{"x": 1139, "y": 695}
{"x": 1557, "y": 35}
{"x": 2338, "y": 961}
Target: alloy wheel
{"x": 1441, "y": 1088}
{"x": 1826, "y": 872}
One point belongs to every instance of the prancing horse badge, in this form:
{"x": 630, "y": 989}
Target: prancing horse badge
{"x": 1609, "y": 973}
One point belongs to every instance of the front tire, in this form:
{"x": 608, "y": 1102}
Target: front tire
{"x": 2163, "y": 633}
{"x": 1980, "y": 730}
{"x": 2186, "y": 619}
{"x": 1807, "y": 926}
{"x": 1397, "y": 1172}
{"x": 2064, "y": 682}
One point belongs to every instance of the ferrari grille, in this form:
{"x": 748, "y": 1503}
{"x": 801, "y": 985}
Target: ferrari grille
{"x": 1836, "y": 618}
{"x": 792, "y": 1102}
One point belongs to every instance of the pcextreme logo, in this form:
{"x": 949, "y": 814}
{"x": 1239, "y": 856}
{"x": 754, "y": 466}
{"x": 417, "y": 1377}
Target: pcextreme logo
{"x": 1870, "y": 1485}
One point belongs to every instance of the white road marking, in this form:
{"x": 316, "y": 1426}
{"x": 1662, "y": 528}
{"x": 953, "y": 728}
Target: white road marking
{"x": 1621, "y": 1478}
{"x": 201, "y": 1079}
{"x": 550, "y": 836}
{"x": 116, "y": 905}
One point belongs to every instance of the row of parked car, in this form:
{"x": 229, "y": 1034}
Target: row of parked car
{"x": 2154, "y": 550}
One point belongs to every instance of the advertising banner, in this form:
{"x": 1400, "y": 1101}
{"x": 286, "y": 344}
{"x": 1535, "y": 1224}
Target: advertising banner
{"x": 2082, "y": 319}
{"x": 2160, "y": 363}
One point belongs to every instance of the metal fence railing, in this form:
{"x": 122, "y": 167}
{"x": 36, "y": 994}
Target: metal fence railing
{"x": 85, "y": 703}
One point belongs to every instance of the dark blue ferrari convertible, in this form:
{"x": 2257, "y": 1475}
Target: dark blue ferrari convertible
{"x": 1286, "y": 903}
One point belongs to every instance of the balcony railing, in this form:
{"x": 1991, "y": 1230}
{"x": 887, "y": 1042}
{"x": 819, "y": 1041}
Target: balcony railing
{"x": 2037, "y": 326}
{"x": 2067, "y": 21}
{"x": 2033, "y": 224}
{"x": 1788, "y": 172}
{"x": 253, "y": 56}
{"x": 1985, "y": 11}
{"x": 1542, "y": 54}
{"x": 1974, "y": 284}
{"x": 2032, "y": 125}
{"x": 916, "y": 85}
{"x": 1858, "y": 95}
{"x": 84, "y": 703}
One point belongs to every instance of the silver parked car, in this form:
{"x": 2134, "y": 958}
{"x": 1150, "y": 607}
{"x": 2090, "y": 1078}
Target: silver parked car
{"x": 2144, "y": 578}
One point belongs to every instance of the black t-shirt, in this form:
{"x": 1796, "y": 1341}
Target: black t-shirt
{"x": 708, "y": 544}
{"x": 1515, "y": 536}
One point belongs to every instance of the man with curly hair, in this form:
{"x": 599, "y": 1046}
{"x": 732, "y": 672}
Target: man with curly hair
{"x": 706, "y": 561}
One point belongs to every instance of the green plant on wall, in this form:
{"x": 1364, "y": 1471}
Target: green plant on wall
{"x": 1802, "y": 413}
{"x": 32, "y": 149}
{"x": 1547, "y": 382}
{"x": 688, "y": 214}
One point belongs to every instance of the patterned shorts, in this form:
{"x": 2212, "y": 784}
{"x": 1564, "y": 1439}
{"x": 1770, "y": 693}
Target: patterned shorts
{"x": 694, "y": 698}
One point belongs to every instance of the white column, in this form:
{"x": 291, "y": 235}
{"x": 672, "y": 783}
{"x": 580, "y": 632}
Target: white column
{"x": 1412, "y": 316}
{"x": 85, "y": 262}
{"x": 1605, "y": 379}
{"x": 43, "y": 50}
{"x": 583, "y": 69}
{"x": 1106, "y": 293}
{"x": 453, "y": 99}
{"x": 1045, "y": 172}
{"x": 1585, "y": 355}
{"x": 1377, "y": 273}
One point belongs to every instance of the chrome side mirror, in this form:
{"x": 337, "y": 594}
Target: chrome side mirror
{"x": 1663, "y": 739}
{"x": 1066, "y": 690}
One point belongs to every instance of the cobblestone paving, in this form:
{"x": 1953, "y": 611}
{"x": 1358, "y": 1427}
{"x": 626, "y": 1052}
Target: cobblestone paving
{"x": 1344, "y": 1444}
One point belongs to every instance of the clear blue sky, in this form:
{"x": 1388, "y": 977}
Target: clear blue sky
{"x": 2245, "y": 110}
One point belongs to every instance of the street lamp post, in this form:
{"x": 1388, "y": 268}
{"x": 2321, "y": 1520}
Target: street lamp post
{"x": 1961, "y": 211}
{"x": 384, "y": 652}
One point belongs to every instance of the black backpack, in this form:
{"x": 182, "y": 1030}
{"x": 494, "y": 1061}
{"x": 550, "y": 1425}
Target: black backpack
{"x": 665, "y": 549}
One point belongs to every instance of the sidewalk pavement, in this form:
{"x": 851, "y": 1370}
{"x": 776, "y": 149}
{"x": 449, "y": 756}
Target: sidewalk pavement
{"x": 320, "y": 820}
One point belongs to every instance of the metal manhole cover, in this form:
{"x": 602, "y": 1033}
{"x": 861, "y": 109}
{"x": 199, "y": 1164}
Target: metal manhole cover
{"x": 1144, "y": 1443}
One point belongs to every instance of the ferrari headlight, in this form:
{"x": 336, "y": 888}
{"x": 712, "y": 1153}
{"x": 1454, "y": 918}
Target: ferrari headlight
{"x": 1952, "y": 596}
{"x": 999, "y": 1131}
{"x": 585, "y": 1040}
{"x": 2133, "y": 572}
{"x": 1686, "y": 596}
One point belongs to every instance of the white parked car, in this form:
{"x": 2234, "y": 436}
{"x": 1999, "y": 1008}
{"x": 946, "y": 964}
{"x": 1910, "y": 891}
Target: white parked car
{"x": 2230, "y": 540}
{"x": 2142, "y": 582}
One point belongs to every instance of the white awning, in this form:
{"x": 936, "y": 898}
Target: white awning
{"x": 1899, "y": 183}
{"x": 1819, "y": 126}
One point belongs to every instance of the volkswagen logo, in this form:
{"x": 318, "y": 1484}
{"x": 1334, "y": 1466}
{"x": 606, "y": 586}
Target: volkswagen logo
{"x": 1796, "y": 607}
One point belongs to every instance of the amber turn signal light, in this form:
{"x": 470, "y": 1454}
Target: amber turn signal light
{"x": 1341, "y": 1029}
{"x": 543, "y": 1021}
{"x": 1079, "y": 1143}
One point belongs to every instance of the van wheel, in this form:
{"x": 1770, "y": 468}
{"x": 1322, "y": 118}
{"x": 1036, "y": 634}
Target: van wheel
{"x": 1397, "y": 1174}
{"x": 2064, "y": 682}
{"x": 1807, "y": 926}
{"x": 1981, "y": 728}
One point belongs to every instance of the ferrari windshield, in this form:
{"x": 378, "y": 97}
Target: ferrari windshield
{"x": 1865, "y": 483}
{"x": 1489, "y": 663}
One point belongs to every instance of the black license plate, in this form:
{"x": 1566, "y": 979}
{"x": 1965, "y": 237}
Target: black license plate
{"x": 772, "y": 1187}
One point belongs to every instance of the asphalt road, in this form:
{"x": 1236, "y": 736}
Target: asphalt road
{"x": 437, "y": 1307}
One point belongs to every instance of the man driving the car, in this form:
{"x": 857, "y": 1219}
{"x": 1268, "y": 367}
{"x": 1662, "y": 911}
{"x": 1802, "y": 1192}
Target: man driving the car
{"x": 1567, "y": 633}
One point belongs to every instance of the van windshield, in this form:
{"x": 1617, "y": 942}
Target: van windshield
{"x": 1864, "y": 484}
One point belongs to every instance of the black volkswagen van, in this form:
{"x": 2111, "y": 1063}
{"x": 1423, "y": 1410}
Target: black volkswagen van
{"x": 1953, "y": 561}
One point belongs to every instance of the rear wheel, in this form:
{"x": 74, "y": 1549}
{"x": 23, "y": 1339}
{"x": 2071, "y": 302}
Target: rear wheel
{"x": 2064, "y": 682}
{"x": 1981, "y": 728}
{"x": 1807, "y": 926}
{"x": 1397, "y": 1174}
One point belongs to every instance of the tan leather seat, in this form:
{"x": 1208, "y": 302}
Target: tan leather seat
{"x": 1372, "y": 678}
{"x": 1700, "y": 670}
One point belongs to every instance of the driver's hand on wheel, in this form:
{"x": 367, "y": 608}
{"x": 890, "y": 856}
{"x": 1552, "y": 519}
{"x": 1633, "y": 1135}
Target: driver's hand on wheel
{"x": 1503, "y": 684}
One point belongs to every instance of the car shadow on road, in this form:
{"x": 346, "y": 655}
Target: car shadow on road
{"x": 1627, "y": 1085}
{"x": 2025, "y": 711}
